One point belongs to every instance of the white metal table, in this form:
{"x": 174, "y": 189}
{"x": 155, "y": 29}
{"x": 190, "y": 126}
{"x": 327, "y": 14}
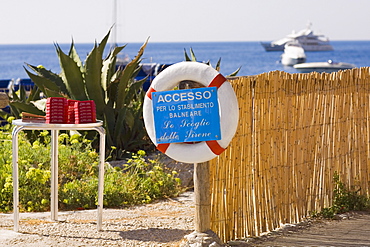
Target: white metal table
{"x": 54, "y": 128}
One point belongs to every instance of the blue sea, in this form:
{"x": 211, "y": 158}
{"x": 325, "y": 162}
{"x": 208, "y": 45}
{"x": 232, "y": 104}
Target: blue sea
{"x": 250, "y": 56}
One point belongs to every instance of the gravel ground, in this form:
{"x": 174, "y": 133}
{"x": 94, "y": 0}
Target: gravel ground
{"x": 163, "y": 223}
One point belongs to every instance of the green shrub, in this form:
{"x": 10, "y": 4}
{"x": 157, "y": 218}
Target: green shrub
{"x": 137, "y": 183}
{"x": 348, "y": 199}
{"x": 345, "y": 199}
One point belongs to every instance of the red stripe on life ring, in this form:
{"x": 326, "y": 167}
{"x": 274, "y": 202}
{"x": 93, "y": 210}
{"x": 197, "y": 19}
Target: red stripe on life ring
{"x": 215, "y": 147}
{"x": 217, "y": 81}
{"x": 150, "y": 91}
{"x": 163, "y": 147}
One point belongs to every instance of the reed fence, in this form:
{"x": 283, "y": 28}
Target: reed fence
{"x": 295, "y": 131}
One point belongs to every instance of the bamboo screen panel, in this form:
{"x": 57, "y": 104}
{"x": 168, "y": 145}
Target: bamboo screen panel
{"x": 295, "y": 131}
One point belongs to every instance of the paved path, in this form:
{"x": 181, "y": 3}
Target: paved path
{"x": 353, "y": 230}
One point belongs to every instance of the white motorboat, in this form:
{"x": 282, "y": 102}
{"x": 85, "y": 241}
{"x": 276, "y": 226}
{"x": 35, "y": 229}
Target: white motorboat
{"x": 306, "y": 38}
{"x": 293, "y": 54}
{"x": 328, "y": 66}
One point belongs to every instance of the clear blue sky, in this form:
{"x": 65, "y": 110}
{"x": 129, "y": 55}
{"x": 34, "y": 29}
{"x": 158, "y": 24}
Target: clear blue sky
{"x": 49, "y": 21}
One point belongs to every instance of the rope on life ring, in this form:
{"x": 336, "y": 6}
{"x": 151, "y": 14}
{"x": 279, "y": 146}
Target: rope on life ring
{"x": 228, "y": 107}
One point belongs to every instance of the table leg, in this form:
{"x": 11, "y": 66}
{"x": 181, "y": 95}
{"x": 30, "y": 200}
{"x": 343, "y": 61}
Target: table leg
{"x": 15, "y": 177}
{"x": 101, "y": 176}
{"x": 54, "y": 175}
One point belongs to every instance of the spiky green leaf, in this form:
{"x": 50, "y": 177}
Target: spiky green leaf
{"x": 127, "y": 75}
{"x": 218, "y": 65}
{"x": 193, "y": 58}
{"x": 34, "y": 94}
{"x": 109, "y": 67}
{"x": 55, "y": 78}
{"x": 109, "y": 124}
{"x": 72, "y": 76}
{"x": 187, "y": 58}
{"x": 235, "y": 72}
{"x": 112, "y": 90}
{"x": 26, "y": 107}
{"x": 94, "y": 89}
{"x": 103, "y": 43}
{"x": 74, "y": 55}
{"x": 44, "y": 83}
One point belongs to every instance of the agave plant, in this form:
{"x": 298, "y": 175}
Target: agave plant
{"x": 117, "y": 95}
{"x": 218, "y": 65}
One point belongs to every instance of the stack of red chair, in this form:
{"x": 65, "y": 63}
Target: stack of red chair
{"x": 71, "y": 111}
{"x": 61, "y": 110}
{"x": 56, "y": 110}
{"x": 85, "y": 112}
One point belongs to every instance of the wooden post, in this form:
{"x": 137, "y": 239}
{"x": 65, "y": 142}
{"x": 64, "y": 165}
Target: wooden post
{"x": 202, "y": 197}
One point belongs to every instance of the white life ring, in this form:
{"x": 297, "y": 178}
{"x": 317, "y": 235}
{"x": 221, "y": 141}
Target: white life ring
{"x": 228, "y": 107}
